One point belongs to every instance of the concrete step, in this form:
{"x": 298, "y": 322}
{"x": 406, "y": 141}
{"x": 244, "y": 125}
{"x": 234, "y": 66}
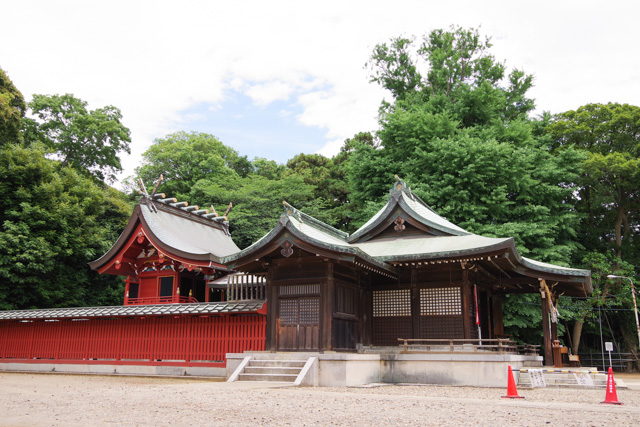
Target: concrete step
{"x": 268, "y": 377}
{"x": 272, "y": 370}
{"x": 278, "y": 363}
{"x": 564, "y": 378}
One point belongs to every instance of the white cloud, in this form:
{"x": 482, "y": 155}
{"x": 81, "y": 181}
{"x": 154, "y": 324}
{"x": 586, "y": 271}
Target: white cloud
{"x": 266, "y": 93}
{"x": 154, "y": 60}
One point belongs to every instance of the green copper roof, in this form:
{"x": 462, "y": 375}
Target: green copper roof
{"x": 374, "y": 245}
{"x": 402, "y": 197}
{"x": 412, "y": 247}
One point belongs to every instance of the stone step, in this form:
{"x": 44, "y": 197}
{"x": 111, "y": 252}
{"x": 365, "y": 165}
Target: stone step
{"x": 268, "y": 377}
{"x": 278, "y": 362}
{"x": 276, "y": 370}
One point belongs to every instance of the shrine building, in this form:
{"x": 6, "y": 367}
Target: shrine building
{"x": 408, "y": 282}
{"x": 171, "y": 322}
{"x": 408, "y": 297}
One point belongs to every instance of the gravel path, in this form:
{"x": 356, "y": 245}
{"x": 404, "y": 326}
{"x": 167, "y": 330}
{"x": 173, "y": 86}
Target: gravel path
{"x": 77, "y": 400}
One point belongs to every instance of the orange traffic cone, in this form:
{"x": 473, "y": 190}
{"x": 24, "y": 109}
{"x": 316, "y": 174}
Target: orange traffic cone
{"x": 612, "y": 396}
{"x": 512, "y": 391}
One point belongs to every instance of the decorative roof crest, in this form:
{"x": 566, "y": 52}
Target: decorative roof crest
{"x": 151, "y": 199}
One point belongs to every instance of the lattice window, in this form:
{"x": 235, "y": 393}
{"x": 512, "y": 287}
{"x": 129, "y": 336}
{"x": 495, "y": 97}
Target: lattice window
{"x": 309, "y": 311}
{"x": 440, "y": 301}
{"x": 300, "y": 311}
{"x": 289, "y": 314}
{"x": 392, "y": 303}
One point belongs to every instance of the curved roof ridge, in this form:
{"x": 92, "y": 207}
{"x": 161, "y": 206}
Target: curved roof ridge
{"x": 316, "y": 223}
{"x": 401, "y": 194}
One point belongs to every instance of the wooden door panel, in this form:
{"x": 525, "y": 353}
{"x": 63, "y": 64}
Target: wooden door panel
{"x": 298, "y": 325}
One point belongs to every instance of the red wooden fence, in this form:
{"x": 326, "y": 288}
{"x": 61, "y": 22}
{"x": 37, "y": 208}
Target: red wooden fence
{"x": 175, "y": 341}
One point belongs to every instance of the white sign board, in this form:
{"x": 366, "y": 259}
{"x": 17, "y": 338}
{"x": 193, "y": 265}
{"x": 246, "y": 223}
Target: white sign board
{"x": 608, "y": 346}
{"x": 537, "y": 378}
{"x": 583, "y": 378}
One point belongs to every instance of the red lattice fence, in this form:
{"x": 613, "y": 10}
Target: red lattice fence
{"x": 175, "y": 341}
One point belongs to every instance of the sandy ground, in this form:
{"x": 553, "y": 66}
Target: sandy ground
{"x": 78, "y": 400}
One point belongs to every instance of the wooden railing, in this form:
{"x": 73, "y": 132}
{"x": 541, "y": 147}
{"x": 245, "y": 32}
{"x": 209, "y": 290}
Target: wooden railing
{"x": 499, "y": 345}
{"x": 246, "y": 287}
{"x": 175, "y": 299}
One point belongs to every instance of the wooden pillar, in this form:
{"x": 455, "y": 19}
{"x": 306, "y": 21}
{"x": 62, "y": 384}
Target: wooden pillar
{"x": 415, "y": 304}
{"x": 498, "y": 324}
{"x": 271, "y": 333}
{"x": 367, "y": 309}
{"x": 326, "y": 310}
{"x": 546, "y": 329}
{"x": 466, "y": 304}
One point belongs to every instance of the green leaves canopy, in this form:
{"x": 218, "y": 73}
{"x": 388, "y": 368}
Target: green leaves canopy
{"x": 185, "y": 158}
{"x": 12, "y": 110}
{"x": 86, "y": 140}
{"x": 53, "y": 223}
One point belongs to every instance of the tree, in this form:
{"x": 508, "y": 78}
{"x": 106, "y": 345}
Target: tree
{"x": 458, "y": 132}
{"x": 610, "y": 181}
{"x": 598, "y": 128}
{"x": 12, "y": 110}
{"x": 88, "y": 140}
{"x": 185, "y": 158}
{"x": 608, "y": 198}
{"x": 54, "y": 221}
{"x": 460, "y": 78}
{"x": 257, "y": 202}
{"x": 461, "y": 136}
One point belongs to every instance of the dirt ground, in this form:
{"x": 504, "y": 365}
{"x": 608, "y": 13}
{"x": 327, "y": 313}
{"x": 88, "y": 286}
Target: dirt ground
{"x": 79, "y": 400}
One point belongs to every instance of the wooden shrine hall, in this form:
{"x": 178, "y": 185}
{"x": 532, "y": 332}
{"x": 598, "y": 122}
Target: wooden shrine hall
{"x": 407, "y": 273}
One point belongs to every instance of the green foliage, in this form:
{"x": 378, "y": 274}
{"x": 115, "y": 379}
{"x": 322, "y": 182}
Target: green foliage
{"x": 54, "y": 221}
{"x": 89, "y": 141}
{"x": 460, "y": 77}
{"x": 609, "y": 184}
{"x": 327, "y": 176}
{"x": 463, "y": 140}
{"x": 12, "y": 110}
{"x": 599, "y": 128}
{"x": 522, "y": 317}
{"x": 185, "y": 158}
{"x": 257, "y": 202}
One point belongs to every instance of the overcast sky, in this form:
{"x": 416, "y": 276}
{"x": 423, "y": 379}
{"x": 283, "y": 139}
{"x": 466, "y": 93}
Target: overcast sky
{"x": 276, "y": 78}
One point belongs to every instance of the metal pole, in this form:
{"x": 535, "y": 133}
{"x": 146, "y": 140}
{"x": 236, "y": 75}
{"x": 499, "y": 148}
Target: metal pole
{"x": 633, "y": 295}
{"x": 601, "y": 340}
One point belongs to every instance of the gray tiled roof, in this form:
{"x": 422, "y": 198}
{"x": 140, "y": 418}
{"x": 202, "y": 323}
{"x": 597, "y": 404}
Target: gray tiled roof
{"x": 187, "y": 235}
{"x": 135, "y": 310}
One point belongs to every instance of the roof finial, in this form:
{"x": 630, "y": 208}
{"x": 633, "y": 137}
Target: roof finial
{"x": 147, "y": 196}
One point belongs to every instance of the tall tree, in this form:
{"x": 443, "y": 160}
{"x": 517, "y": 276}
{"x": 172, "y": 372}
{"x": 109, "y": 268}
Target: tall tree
{"x": 609, "y": 200}
{"x": 185, "y": 158}
{"x": 610, "y": 182}
{"x": 12, "y": 110}
{"x": 459, "y": 132}
{"x": 88, "y": 140}
{"x": 460, "y": 76}
{"x": 53, "y": 222}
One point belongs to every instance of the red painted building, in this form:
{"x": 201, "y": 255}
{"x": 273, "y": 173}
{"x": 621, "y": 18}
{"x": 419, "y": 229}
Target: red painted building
{"x": 168, "y": 252}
